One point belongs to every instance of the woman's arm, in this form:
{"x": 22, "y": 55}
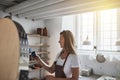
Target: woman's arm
{"x": 75, "y": 75}
{"x": 44, "y": 65}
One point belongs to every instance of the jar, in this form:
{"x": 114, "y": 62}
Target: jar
{"x": 44, "y": 31}
{"x": 40, "y": 31}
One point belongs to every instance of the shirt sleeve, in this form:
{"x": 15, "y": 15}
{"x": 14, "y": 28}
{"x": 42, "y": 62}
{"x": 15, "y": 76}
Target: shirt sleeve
{"x": 74, "y": 61}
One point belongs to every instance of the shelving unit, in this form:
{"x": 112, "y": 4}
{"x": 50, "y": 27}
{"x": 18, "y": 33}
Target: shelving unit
{"x": 40, "y": 44}
{"x": 37, "y": 35}
{"x": 40, "y": 47}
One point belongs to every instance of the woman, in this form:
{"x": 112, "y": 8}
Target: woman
{"x": 66, "y": 65}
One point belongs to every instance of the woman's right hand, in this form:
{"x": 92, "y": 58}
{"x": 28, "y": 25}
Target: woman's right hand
{"x": 38, "y": 59}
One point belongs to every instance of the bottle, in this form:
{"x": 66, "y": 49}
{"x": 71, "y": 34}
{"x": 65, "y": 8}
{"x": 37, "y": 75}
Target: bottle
{"x": 45, "y": 31}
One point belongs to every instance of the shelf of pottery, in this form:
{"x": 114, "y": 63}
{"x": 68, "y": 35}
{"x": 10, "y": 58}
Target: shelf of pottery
{"x": 38, "y": 44}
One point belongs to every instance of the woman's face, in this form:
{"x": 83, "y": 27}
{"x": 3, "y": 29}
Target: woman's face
{"x": 61, "y": 41}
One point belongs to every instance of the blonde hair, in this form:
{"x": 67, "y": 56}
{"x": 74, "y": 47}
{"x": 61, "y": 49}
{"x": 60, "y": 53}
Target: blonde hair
{"x": 69, "y": 43}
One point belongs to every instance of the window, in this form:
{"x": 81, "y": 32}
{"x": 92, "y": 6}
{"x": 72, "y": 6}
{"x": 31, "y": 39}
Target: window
{"x": 100, "y": 28}
{"x": 107, "y": 30}
{"x": 85, "y": 26}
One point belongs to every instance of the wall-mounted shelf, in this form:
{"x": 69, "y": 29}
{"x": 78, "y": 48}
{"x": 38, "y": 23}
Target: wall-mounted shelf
{"x": 37, "y": 35}
{"x": 38, "y": 44}
{"x": 42, "y": 52}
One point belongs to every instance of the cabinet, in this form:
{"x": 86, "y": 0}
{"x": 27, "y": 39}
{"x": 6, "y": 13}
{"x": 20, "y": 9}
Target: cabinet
{"x": 38, "y": 44}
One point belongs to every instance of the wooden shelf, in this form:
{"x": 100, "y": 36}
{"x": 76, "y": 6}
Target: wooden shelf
{"x": 23, "y": 64}
{"x": 38, "y": 45}
{"x": 42, "y": 52}
{"x": 32, "y": 62}
{"x": 37, "y": 35}
{"x": 32, "y": 70}
{"x": 40, "y": 48}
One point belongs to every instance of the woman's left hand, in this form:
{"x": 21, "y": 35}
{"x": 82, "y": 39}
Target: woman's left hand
{"x": 50, "y": 77}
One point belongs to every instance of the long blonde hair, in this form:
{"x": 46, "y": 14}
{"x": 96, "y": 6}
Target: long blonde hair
{"x": 69, "y": 43}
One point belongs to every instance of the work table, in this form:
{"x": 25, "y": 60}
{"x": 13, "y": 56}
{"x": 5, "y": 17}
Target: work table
{"x": 92, "y": 77}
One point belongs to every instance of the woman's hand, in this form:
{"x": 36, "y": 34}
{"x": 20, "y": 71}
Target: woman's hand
{"x": 37, "y": 59}
{"x": 50, "y": 77}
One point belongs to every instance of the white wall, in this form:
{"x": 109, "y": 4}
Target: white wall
{"x": 2, "y": 14}
{"x": 110, "y": 67}
{"x": 29, "y": 25}
{"x": 54, "y": 28}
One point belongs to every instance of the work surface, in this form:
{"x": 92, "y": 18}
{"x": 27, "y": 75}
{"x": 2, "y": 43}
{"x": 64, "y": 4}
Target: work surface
{"x": 93, "y": 77}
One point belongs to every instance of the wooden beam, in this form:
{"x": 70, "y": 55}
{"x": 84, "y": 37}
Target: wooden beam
{"x": 22, "y": 5}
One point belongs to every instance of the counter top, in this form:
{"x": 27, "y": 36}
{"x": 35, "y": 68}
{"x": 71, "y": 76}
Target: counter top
{"x": 92, "y": 77}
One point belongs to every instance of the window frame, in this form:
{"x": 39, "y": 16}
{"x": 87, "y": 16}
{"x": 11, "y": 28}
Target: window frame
{"x": 95, "y": 32}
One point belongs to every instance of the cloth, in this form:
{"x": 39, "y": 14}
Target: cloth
{"x": 72, "y": 62}
{"x": 59, "y": 69}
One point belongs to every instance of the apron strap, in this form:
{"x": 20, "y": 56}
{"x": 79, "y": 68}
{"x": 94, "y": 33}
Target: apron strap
{"x": 65, "y": 60}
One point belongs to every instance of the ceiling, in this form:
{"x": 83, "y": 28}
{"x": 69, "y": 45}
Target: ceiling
{"x": 46, "y": 9}
{"x": 9, "y": 3}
